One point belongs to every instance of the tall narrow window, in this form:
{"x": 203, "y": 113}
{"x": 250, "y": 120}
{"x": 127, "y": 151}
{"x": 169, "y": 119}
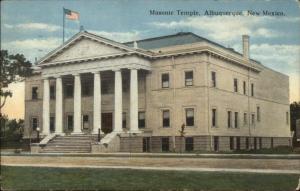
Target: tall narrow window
{"x": 238, "y": 143}
{"x": 52, "y": 124}
{"x": 189, "y": 143}
{"x": 244, "y": 87}
{"x": 231, "y": 144}
{"x": 253, "y": 119}
{"x": 34, "y": 123}
{"x": 258, "y": 113}
{"x": 165, "y": 80}
{"x": 69, "y": 90}
{"x": 228, "y": 119}
{"x": 34, "y": 93}
{"x": 124, "y": 120}
{"x": 52, "y": 92}
{"x": 214, "y": 117}
{"x": 245, "y": 119}
{"x": 287, "y": 117}
{"x": 213, "y": 79}
{"x": 70, "y": 122}
{"x": 165, "y": 144}
{"x": 235, "y": 84}
{"x": 216, "y": 143}
{"x": 247, "y": 143}
{"x": 252, "y": 89}
{"x": 188, "y": 78}
{"x": 142, "y": 120}
{"x": 85, "y": 121}
{"x": 236, "y": 119}
{"x": 189, "y": 115}
{"x": 166, "y": 118}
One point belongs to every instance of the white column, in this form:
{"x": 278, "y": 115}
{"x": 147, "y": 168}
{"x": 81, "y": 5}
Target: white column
{"x": 118, "y": 102}
{"x": 77, "y": 104}
{"x": 59, "y": 106}
{"x": 97, "y": 102}
{"x": 133, "y": 100}
{"x": 46, "y": 109}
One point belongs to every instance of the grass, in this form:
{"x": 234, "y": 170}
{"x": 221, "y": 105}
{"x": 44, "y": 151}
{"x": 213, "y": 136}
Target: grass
{"x": 41, "y": 178}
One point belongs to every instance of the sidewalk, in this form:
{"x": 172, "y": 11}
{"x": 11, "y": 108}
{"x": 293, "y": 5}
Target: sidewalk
{"x": 274, "y": 165}
{"x": 170, "y": 155}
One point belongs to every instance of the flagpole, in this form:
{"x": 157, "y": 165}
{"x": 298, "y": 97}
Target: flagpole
{"x": 63, "y": 24}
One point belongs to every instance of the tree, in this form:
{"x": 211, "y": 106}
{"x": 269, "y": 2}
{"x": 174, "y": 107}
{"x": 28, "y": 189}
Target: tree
{"x": 295, "y": 114}
{"x": 13, "y": 68}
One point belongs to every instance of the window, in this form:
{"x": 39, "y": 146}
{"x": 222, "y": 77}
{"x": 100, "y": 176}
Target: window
{"x": 260, "y": 142}
{"x": 253, "y": 119}
{"x": 247, "y": 143}
{"x": 188, "y": 78}
{"x": 189, "y": 117}
{"x": 216, "y": 143}
{"x": 255, "y": 143}
{"x": 272, "y": 142}
{"x": 124, "y": 120}
{"x": 166, "y": 118}
{"x": 52, "y": 92}
{"x": 85, "y": 121}
{"x": 165, "y": 80}
{"x": 244, "y": 87}
{"x": 252, "y": 89}
{"x": 86, "y": 88}
{"x": 258, "y": 113}
{"x": 125, "y": 85}
{"x": 245, "y": 119}
{"x": 70, "y": 122}
{"x": 236, "y": 119}
{"x": 146, "y": 144}
{"x": 235, "y": 84}
{"x": 69, "y": 90}
{"x": 238, "y": 143}
{"x": 228, "y": 119}
{"x": 287, "y": 117}
{"x": 213, "y": 79}
{"x": 107, "y": 86}
{"x": 34, "y": 123}
{"x": 142, "y": 119}
{"x": 165, "y": 144}
{"x": 34, "y": 93}
{"x": 52, "y": 124}
{"x": 231, "y": 144}
{"x": 189, "y": 143}
{"x": 214, "y": 117}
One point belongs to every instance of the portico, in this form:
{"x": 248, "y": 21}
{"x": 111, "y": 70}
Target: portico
{"x": 66, "y": 63}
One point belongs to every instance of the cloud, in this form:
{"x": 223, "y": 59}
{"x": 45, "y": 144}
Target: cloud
{"x": 227, "y": 28}
{"x": 32, "y": 48}
{"x": 34, "y": 26}
{"x": 118, "y": 36}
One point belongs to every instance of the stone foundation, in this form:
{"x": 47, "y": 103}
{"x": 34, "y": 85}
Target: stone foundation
{"x": 200, "y": 143}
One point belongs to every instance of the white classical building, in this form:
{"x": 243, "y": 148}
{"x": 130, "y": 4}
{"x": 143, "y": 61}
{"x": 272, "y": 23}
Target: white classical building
{"x": 140, "y": 94}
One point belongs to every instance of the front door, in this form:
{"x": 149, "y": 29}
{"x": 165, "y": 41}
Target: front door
{"x": 106, "y": 124}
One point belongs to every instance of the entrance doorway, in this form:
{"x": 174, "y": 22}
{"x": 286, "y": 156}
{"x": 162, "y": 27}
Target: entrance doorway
{"x": 106, "y": 124}
{"x": 146, "y": 144}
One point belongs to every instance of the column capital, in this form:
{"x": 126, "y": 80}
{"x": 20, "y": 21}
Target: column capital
{"x": 76, "y": 74}
{"x": 45, "y": 78}
{"x": 96, "y": 72}
{"x": 57, "y": 76}
{"x": 133, "y": 68}
{"x": 116, "y": 70}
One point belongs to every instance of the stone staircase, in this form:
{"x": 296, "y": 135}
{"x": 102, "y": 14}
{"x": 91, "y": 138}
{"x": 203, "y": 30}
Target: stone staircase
{"x": 70, "y": 144}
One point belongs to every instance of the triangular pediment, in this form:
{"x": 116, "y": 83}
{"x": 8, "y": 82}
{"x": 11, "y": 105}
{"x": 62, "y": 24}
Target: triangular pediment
{"x": 85, "y": 48}
{"x": 85, "y": 45}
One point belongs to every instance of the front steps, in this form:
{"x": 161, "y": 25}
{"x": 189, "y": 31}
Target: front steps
{"x": 70, "y": 144}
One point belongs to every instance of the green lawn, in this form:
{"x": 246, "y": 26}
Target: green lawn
{"x": 35, "y": 178}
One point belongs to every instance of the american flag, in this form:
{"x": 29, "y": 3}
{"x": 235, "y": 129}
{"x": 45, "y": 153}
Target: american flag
{"x": 72, "y": 15}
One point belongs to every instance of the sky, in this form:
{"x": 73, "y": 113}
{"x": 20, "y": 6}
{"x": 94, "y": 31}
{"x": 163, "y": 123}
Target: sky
{"x": 34, "y": 27}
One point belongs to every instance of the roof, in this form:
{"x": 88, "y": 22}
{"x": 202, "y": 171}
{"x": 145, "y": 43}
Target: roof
{"x": 180, "y": 38}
